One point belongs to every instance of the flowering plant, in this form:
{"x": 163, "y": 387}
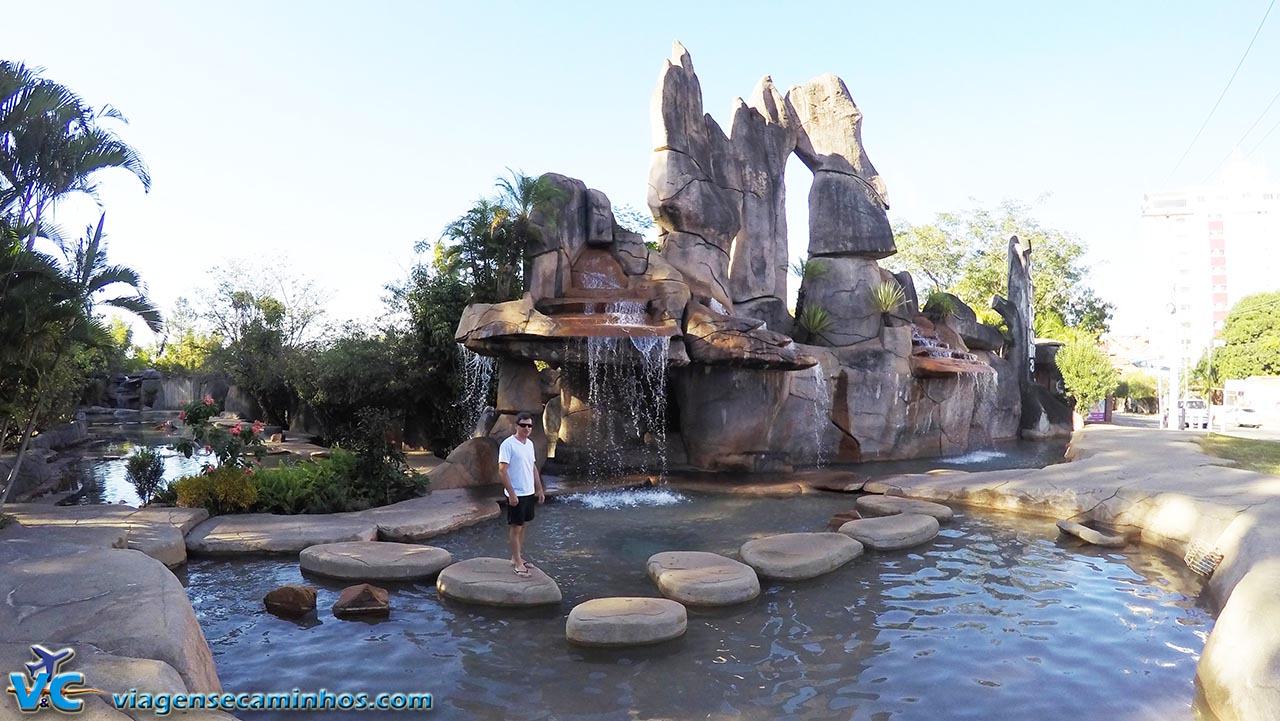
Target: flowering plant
{"x": 234, "y": 446}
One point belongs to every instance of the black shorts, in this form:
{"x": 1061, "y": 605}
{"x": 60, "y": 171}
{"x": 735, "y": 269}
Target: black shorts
{"x": 522, "y": 512}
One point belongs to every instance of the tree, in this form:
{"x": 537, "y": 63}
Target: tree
{"x": 1140, "y": 389}
{"x": 1086, "y": 370}
{"x": 1252, "y": 336}
{"x": 63, "y": 315}
{"x": 52, "y": 144}
{"x": 967, "y": 254}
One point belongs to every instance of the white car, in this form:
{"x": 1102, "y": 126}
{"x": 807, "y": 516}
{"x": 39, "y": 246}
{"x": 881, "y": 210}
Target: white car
{"x": 1242, "y": 417}
{"x": 1195, "y": 413}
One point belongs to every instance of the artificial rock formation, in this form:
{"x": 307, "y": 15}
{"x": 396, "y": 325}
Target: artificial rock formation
{"x": 867, "y": 383}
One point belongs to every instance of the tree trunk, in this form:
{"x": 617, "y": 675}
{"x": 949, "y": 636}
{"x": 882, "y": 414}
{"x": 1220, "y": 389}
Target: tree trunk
{"x": 22, "y": 454}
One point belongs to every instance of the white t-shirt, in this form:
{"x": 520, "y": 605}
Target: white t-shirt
{"x": 520, "y": 461}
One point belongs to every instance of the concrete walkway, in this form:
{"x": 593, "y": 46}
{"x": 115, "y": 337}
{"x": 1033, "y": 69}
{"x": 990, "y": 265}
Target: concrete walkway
{"x": 1160, "y": 484}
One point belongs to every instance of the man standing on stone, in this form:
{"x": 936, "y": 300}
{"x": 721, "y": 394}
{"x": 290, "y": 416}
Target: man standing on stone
{"x": 518, "y": 466}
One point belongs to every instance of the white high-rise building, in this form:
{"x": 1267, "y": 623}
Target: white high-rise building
{"x": 1211, "y": 245}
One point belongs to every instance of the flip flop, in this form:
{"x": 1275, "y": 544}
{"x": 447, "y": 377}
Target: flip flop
{"x": 518, "y": 572}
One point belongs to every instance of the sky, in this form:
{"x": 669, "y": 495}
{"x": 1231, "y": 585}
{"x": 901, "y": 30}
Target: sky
{"x": 326, "y": 139}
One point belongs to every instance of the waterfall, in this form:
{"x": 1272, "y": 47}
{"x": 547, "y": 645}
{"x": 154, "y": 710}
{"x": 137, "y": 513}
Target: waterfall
{"x": 821, "y": 412}
{"x": 627, "y": 312}
{"x": 627, "y": 392}
{"x": 477, "y": 385}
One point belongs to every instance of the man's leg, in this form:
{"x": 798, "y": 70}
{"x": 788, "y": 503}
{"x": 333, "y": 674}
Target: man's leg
{"x": 516, "y": 535}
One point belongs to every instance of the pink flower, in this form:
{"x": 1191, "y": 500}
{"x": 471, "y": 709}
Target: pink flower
{"x": 257, "y": 427}
{"x": 248, "y": 471}
{"x": 237, "y": 429}
{"x": 208, "y": 449}
{"x": 182, "y": 415}
{"x": 208, "y": 400}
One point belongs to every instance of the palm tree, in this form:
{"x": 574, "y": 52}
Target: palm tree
{"x": 52, "y": 144}
{"x": 63, "y": 312}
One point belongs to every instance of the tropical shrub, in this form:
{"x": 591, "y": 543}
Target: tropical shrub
{"x": 813, "y": 321}
{"x": 939, "y": 304}
{"x": 228, "y": 489}
{"x": 145, "y": 470}
{"x": 888, "y": 296}
{"x": 1086, "y": 370}
{"x": 235, "y": 446}
{"x": 319, "y": 486}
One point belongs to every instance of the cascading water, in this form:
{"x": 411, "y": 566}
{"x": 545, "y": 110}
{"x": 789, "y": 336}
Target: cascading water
{"x": 821, "y": 413}
{"x": 627, "y": 312}
{"x": 627, "y": 392}
{"x": 477, "y": 385}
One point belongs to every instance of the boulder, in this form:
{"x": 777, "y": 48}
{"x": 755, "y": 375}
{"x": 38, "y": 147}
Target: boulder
{"x": 716, "y": 339}
{"x": 292, "y": 601}
{"x": 493, "y": 582}
{"x": 830, "y": 135}
{"x": 875, "y": 506}
{"x": 797, "y": 556}
{"x": 842, "y": 518}
{"x": 889, "y": 533}
{"x": 481, "y": 321}
{"x": 727, "y": 413}
{"x": 362, "y": 600}
{"x": 763, "y": 134}
{"x": 615, "y": 622}
{"x": 697, "y": 578}
{"x": 161, "y": 541}
{"x": 374, "y": 561}
{"x": 600, "y": 220}
{"x": 1092, "y": 536}
{"x": 519, "y": 388}
{"x": 845, "y": 289}
{"x": 121, "y": 601}
{"x": 847, "y": 218}
{"x": 478, "y": 458}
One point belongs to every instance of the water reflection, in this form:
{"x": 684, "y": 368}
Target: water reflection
{"x": 996, "y": 618}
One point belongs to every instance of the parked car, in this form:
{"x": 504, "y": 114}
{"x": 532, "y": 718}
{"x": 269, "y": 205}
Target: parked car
{"x": 1242, "y": 417}
{"x": 1195, "y": 413}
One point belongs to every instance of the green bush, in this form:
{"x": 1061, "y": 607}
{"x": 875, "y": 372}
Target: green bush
{"x": 813, "y": 321}
{"x": 146, "y": 472}
{"x": 320, "y": 486}
{"x": 939, "y": 305}
{"x": 221, "y": 490}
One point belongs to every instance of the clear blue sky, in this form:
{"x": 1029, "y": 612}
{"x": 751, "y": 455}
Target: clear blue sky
{"x": 335, "y": 135}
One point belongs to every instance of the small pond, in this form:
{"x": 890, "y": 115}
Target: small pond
{"x": 100, "y": 475}
{"x": 998, "y": 617}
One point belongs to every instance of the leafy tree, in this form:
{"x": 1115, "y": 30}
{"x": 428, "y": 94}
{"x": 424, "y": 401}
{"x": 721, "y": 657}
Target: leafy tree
{"x": 52, "y": 144}
{"x": 53, "y": 307}
{"x": 1252, "y": 336}
{"x": 967, "y": 254}
{"x": 1140, "y": 389}
{"x": 1086, "y": 370}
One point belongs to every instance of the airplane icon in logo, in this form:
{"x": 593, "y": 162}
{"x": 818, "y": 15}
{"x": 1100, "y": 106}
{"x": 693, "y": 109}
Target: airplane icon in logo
{"x": 48, "y": 661}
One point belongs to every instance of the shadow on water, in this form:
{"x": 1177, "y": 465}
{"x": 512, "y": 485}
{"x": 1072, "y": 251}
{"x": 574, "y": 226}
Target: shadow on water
{"x": 998, "y": 617}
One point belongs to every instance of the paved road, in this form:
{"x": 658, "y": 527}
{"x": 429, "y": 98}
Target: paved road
{"x": 1137, "y": 420}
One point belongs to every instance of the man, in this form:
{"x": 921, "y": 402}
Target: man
{"x": 518, "y": 467}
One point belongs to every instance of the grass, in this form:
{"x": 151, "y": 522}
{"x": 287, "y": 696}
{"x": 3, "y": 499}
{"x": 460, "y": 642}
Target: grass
{"x": 1250, "y": 454}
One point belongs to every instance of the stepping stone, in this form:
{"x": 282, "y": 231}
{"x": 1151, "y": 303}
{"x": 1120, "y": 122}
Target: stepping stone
{"x": 624, "y": 621}
{"x": 797, "y": 556}
{"x": 493, "y": 582}
{"x": 268, "y": 533}
{"x": 162, "y": 542}
{"x": 889, "y": 533}
{"x": 829, "y": 480}
{"x": 1089, "y": 535}
{"x": 893, "y": 505}
{"x": 697, "y": 578}
{"x": 362, "y": 600}
{"x": 374, "y": 561}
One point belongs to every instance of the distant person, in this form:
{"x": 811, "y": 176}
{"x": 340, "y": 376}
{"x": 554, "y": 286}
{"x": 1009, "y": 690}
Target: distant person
{"x": 518, "y": 466}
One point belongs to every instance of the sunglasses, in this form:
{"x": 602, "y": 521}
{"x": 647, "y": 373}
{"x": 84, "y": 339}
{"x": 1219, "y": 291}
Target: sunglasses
{"x": 525, "y": 425}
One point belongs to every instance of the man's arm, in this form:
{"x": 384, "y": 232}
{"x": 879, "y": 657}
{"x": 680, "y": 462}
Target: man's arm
{"x": 512, "y": 498}
{"x": 537, "y": 481}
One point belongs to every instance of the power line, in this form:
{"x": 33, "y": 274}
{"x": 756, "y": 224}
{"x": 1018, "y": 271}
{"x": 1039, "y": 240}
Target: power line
{"x": 1214, "y": 109}
{"x": 1263, "y": 140}
{"x": 1235, "y": 145}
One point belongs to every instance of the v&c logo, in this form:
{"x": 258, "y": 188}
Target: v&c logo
{"x": 45, "y": 685}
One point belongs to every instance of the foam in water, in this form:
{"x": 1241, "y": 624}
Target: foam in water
{"x": 477, "y": 383}
{"x": 975, "y": 457}
{"x": 627, "y": 312}
{"x": 627, "y": 499}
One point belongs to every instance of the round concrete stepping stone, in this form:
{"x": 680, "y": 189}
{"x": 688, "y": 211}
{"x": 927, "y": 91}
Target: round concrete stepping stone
{"x": 797, "y": 556}
{"x": 697, "y": 578}
{"x": 625, "y": 621}
{"x": 893, "y": 505}
{"x": 374, "y": 560}
{"x": 1090, "y": 535}
{"x": 888, "y": 533}
{"x": 493, "y": 582}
